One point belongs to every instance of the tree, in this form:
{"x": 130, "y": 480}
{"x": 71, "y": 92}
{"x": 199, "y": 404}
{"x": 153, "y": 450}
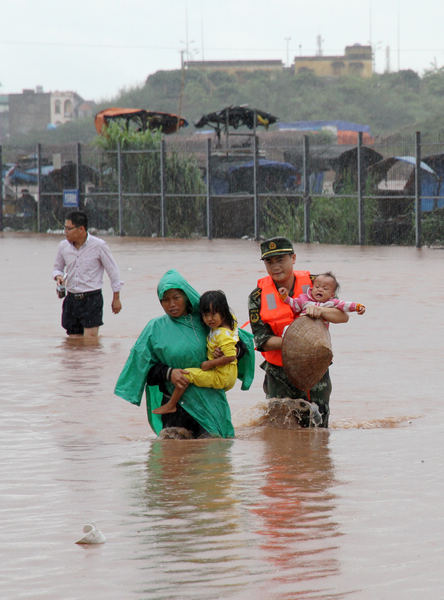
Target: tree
{"x": 141, "y": 172}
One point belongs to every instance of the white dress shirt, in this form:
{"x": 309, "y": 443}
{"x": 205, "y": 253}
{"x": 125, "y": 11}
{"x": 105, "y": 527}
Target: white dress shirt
{"x": 84, "y": 266}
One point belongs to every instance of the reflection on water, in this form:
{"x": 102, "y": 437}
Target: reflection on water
{"x": 79, "y": 359}
{"x": 297, "y": 502}
{"x": 353, "y": 512}
{"x": 193, "y": 512}
{"x": 259, "y": 514}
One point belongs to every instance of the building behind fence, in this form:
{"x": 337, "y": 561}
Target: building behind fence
{"x": 255, "y": 186}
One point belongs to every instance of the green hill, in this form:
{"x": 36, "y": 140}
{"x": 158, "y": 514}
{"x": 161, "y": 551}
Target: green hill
{"x": 391, "y": 104}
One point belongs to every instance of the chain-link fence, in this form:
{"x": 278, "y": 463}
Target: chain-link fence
{"x": 256, "y": 187}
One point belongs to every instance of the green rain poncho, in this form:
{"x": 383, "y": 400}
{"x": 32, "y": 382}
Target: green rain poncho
{"x": 180, "y": 343}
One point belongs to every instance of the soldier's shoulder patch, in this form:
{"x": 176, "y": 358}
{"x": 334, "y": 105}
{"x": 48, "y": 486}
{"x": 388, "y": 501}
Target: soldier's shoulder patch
{"x": 254, "y": 316}
{"x": 255, "y": 293}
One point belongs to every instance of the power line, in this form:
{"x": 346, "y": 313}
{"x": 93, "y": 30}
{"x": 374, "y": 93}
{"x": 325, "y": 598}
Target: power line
{"x": 309, "y": 51}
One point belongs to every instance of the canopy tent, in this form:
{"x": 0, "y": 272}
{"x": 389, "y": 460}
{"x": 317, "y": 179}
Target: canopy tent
{"x": 141, "y": 118}
{"x": 395, "y": 176}
{"x": 345, "y": 166}
{"x": 236, "y": 116}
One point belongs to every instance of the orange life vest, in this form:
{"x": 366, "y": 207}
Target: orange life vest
{"x": 275, "y": 312}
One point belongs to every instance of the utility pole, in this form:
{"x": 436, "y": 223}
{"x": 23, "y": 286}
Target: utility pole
{"x": 287, "y": 39}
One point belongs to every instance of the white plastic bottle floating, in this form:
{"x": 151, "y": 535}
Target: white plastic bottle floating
{"x": 315, "y": 415}
{"x": 92, "y": 535}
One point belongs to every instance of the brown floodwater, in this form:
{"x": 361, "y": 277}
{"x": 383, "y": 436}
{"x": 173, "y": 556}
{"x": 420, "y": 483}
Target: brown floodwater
{"x": 353, "y": 512}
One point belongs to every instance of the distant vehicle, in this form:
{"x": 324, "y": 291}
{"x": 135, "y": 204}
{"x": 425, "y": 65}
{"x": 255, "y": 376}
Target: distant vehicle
{"x": 140, "y": 119}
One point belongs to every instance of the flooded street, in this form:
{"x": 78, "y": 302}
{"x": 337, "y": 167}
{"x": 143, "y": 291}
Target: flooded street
{"x": 353, "y": 512}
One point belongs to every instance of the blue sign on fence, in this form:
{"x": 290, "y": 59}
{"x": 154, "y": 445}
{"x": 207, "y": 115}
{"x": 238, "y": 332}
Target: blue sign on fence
{"x": 71, "y": 198}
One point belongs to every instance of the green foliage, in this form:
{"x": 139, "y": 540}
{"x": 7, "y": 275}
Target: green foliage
{"x": 115, "y": 134}
{"x": 399, "y": 102}
{"x": 333, "y": 220}
{"x": 82, "y": 130}
{"x": 401, "y": 80}
{"x": 282, "y": 216}
{"x": 434, "y": 80}
{"x": 433, "y": 227}
{"x": 141, "y": 172}
{"x": 388, "y": 103}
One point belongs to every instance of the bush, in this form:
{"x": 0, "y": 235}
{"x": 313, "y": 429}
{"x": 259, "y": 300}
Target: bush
{"x": 141, "y": 173}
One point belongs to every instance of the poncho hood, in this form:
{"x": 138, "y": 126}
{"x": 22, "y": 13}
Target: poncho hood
{"x": 173, "y": 280}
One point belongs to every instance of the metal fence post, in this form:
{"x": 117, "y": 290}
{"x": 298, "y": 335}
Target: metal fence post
{"x": 119, "y": 185}
{"x": 361, "y": 226}
{"x": 78, "y": 176}
{"x": 255, "y": 196}
{"x": 1, "y": 189}
{"x": 209, "y": 212}
{"x": 162, "y": 187}
{"x": 307, "y": 200}
{"x": 418, "y": 190}
{"x": 39, "y": 183}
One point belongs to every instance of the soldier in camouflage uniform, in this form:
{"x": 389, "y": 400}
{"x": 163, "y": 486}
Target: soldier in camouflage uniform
{"x": 279, "y": 257}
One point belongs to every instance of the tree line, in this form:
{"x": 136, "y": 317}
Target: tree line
{"x": 392, "y": 104}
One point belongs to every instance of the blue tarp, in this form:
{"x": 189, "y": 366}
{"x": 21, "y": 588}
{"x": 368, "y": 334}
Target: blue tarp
{"x": 430, "y": 180}
{"x": 262, "y": 162}
{"x": 29, "y": 176}
{"x": 45, "y": 170}
{"x": 437, "y": 163}
{"x": 430, "y": 184}
{"x": 317, "y": 125}
{"x": 18, "y": 177}
{"x": 221, "y": 181}
{"x": 412, "y": 161}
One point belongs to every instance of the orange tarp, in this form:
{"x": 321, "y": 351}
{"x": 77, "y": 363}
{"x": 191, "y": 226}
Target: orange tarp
{"x": 167, "y": 122}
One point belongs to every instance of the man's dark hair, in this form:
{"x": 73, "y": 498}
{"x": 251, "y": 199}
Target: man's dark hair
{"x": 78, "y": 218}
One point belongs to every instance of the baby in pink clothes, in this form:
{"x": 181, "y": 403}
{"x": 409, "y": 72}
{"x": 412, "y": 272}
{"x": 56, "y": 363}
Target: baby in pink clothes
{"x": 322, "y": 294}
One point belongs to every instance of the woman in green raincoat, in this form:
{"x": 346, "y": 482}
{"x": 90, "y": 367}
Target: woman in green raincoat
{"x": 167, "y": 345}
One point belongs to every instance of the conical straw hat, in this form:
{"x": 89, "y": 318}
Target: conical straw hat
{"x": 306, "y": 352}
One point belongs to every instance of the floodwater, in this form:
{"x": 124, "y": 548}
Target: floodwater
{"x": 353, "y": 512}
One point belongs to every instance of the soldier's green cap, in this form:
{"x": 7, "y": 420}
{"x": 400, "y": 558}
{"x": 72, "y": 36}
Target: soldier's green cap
{"x": 275, "y": 247}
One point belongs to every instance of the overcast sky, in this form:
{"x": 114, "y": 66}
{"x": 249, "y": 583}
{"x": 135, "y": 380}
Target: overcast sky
{"x": 97, "y": 48}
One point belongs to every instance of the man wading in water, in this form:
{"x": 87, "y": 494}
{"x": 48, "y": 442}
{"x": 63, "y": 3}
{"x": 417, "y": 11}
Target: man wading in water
{"x": 269, "y": 315}
{"x": 80, "y": 262}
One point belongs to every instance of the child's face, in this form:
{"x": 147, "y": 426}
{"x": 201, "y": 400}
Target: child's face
{"x": 213, "y": 320}
{"x": 323, "y": 289}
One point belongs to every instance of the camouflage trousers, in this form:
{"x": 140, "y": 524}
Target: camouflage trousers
{"x": 277, "y": 385}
